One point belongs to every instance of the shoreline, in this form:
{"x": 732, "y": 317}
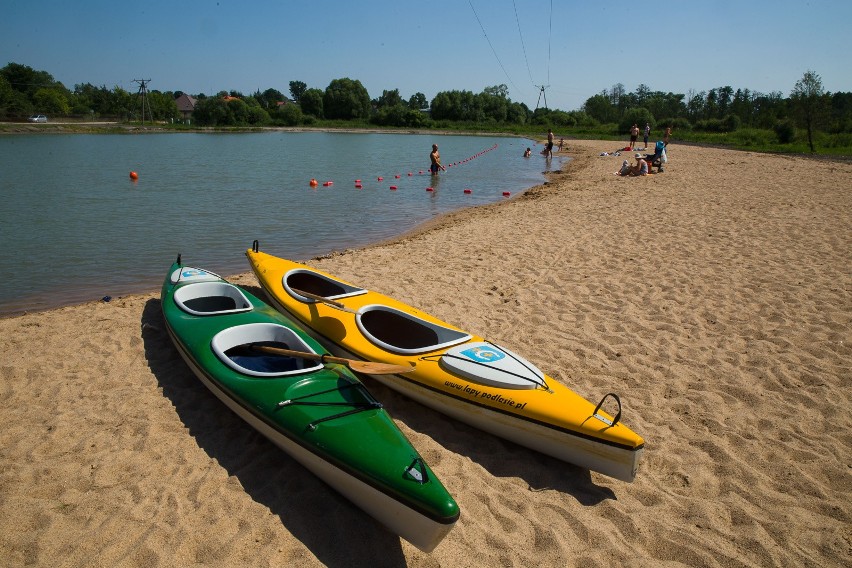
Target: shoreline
{"x": 51, "y": 302}
{"x": 716, "y": 303}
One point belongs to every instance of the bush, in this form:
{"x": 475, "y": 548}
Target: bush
{"x": 681, "y": 124}
{"x": 638, "y": 116}
{"x": 731, "y": 123}
{"x": 785, "y": 130}
{"x": 289, "y": 114}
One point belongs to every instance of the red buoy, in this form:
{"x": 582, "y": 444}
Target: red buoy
{"x": 134, "y": 176}
{"x": 506, "y": 194}
{"x": 380, "y": 178}
{"x": 328, "y": 183}
{"x": 468, "y": 191}
{"x": 393, "y": 187}
{"x": 430, "y": 189}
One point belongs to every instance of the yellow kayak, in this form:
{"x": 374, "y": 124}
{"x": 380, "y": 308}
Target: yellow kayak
{"x": 457, "y": 373}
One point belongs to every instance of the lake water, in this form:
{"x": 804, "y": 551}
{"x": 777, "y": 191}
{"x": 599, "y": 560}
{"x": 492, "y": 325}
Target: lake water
{"x": 74, "y": 227}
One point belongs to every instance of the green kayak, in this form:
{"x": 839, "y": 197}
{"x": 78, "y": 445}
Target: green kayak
{"x": 315, "y": 410}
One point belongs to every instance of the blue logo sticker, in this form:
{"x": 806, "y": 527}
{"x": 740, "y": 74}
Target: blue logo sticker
{"x": 190, "y": 272}
{"x": 483, "y": 354}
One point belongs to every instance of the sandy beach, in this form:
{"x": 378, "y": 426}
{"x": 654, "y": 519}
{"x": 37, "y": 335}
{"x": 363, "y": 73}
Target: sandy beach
{"x": 715, "y": 299}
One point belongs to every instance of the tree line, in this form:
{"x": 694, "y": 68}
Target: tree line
{"x": 24, "y": 91}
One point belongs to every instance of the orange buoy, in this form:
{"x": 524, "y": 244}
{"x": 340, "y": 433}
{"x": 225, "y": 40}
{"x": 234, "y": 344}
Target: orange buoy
{"x": 134, "y": 176}
{"x": 314, "y": 183}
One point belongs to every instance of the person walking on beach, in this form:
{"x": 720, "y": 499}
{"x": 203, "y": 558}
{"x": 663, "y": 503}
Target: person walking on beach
{"x": 634, "y": 135}
{"x": 435, "y": 157}
{"x": 667, "y": 135}
{"x": 647, "y": 134}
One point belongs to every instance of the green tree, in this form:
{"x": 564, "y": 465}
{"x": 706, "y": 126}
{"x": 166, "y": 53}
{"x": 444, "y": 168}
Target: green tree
{"x": 6, "y": 96}
{"x": 269, "y": 98}
{"x": 810, "y": 104}
{"x": 311, "y": 102}
{"x": 601, "y": 108}
{"x": 418, "y": 102}
{"x": 388, "y": 99}
{"x": 456, "y": 105}
{"x": 346, "y": 99}
{"x": 212, "y": 111}
{"x": 638, "y": 116}
{"x": 297, "y": 89}
{"x": 500, "y": 91}
{"x": 288, "y": 114}
{"x": 51, "y": 101}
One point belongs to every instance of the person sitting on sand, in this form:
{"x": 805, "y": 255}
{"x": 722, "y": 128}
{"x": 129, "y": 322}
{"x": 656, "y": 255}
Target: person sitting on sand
{"x": 639, "y": 169}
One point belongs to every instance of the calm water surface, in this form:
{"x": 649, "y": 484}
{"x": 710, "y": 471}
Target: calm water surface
{"x": 74, "y": 227}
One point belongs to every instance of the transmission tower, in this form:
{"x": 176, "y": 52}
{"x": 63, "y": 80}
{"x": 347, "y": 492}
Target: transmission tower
{"x": 143, "y": 95}
{"x": 541, "y": 93}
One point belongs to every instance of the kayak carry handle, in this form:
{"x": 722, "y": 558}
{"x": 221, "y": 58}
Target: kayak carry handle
{"x": 603, "y": 419}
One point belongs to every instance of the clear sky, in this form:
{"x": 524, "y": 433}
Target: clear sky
{"x": 575, "y": 48}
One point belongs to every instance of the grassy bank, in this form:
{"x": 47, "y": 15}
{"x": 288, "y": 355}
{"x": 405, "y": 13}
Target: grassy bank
{"x": 750, "y": 139}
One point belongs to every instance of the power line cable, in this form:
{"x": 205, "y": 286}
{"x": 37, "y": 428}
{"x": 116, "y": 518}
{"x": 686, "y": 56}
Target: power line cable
{"x": 492, "y": 47}
{"x": 549, "y": 40}
{"x": 522, "y": 42}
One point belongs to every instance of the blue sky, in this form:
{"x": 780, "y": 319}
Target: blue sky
{"x": 578, "y": 49}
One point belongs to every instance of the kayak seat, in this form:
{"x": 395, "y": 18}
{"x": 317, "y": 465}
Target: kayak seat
{"x": 211, "y": 298}
{"x": 401, "y": 332}
{"x": 318, "y": 284}
{"x": 233, "y": 346}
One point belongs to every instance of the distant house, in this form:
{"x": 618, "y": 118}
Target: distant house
{"x": 185, "y": 105}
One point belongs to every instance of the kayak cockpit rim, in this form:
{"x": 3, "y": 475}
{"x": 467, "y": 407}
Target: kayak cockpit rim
{"x": 233, "y": 348}
{"x": 400, "y": 332}
{"x": 318, "y": 284}
{"x": 211, "y": 298}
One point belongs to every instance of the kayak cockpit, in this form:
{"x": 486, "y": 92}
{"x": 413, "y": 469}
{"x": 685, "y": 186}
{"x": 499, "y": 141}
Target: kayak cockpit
{"x": 400, "y": 332}
{"x": 233, "y": 346}
{"x": 211, "y": 299}
{"x": 318, "y": 284}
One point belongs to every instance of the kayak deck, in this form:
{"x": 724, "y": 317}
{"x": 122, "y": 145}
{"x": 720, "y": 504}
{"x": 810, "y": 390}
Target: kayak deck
{"x": 459, "y": 374}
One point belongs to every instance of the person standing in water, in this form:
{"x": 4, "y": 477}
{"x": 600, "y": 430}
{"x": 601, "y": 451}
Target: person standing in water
{"x": 435, "y": 157}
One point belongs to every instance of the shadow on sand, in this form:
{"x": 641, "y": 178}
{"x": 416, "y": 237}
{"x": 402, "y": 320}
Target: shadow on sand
{"x": 499, "y": 457}
{"x": 336, "y": 531}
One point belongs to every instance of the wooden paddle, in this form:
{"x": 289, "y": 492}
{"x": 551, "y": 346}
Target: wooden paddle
{"x": 325, "y": 300}
{"x": 366, "y": 367}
